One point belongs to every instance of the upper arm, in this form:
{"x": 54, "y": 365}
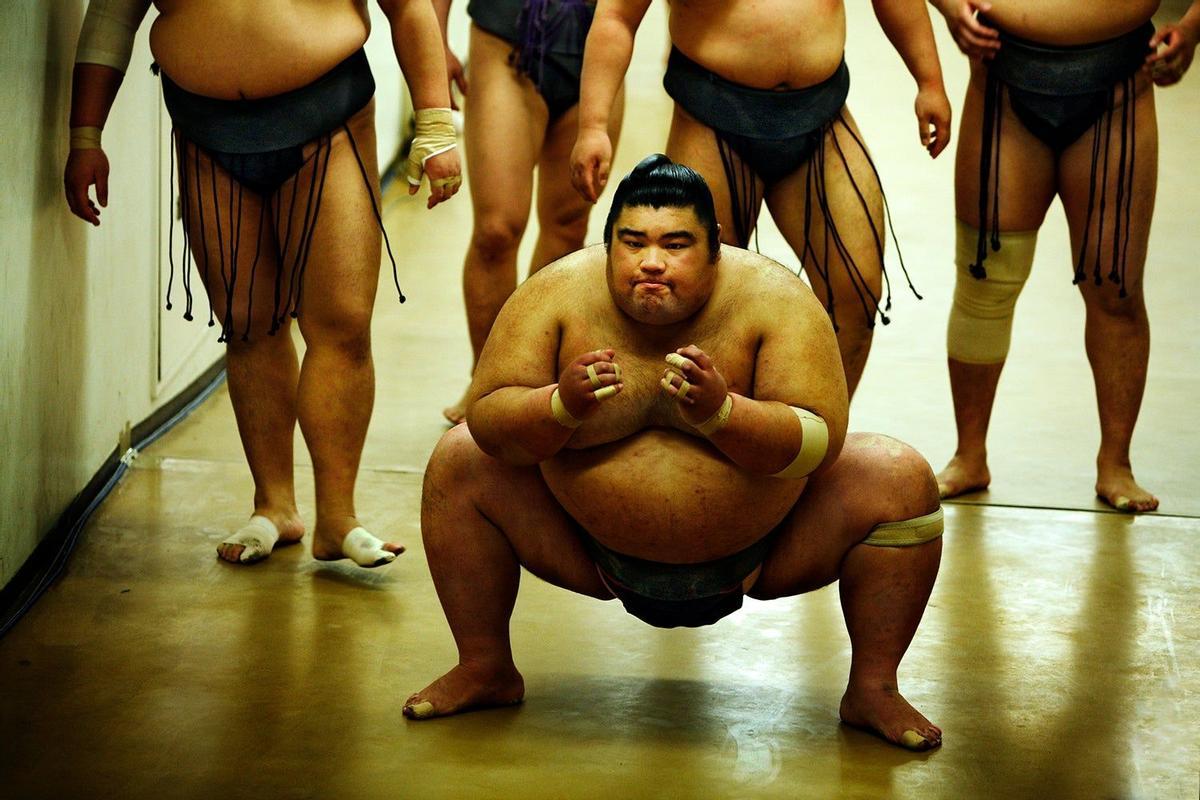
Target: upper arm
{"x": 522, "y": 348}
{"x": 109, "y": 27}
{"x": 627, "y": 13}
{"x": 798, "y": 361}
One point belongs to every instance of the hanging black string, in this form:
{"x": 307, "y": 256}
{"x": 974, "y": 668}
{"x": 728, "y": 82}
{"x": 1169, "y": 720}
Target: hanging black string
{"x": 375, "y": 208}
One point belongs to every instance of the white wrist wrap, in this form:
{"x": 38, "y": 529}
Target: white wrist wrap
{"x": 435, "y": 135}
{"x": 560, "y": 413}
{"x": 85, "y": 137}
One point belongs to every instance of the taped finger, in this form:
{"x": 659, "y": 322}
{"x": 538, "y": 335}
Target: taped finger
{"x": 605, "y": 393}
{"x": 594, "y": 378}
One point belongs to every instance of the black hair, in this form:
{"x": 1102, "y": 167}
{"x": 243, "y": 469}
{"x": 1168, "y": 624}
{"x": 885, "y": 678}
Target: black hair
{"x": 659, "y": 182}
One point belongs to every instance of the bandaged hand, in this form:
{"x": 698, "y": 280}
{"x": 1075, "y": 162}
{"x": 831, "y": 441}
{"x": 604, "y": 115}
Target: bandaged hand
{"x": 586, "y": 383}
{"x": 87, "y": 166}
{"x": 695, "y": 384}
{"x": 434, "y": 153}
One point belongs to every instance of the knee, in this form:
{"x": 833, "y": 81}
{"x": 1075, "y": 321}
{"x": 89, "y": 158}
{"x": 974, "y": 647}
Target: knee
{"x": 345, "y": 326}
{"x": 451, "y": 471}
{"x": 1106, "y": 302}
{"x": 903, "y": 481}
{"x": 981, "y": 317}
{"x": 497, "y": 237}
{"x": 567, "y": 225}
{"x": 452, "y": 458}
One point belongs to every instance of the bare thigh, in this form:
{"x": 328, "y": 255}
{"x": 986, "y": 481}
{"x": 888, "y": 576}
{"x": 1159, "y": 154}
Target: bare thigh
{"x": 843, "y": 258}
{"x": 516, "y": 501}
{"x": 1027, "y": 169}
{"x": 505, "y": 124}
{"x": 559, "y": 205}
{"x": 232, "y": 239}
{"x": 694, "y": 144}
{"x": 337, "y": 270}
{"x": 1121, "y": 235}
{"x": 875, "y": 479}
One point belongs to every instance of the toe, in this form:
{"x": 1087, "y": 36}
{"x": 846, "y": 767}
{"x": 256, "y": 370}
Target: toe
{"x": 230, "y": 552}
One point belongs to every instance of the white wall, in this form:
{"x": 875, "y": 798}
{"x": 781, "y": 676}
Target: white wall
{"x": 80, "y": 326}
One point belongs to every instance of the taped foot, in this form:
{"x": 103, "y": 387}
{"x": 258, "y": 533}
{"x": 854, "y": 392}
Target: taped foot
{"x": 254, "y": 541}
{"x": 885, "y": 713}
{"x": 366, "y": 550}
{"x": 1123, "y": 493}
{"x": 462, "y": 689}
{"x": 962, "y": 477}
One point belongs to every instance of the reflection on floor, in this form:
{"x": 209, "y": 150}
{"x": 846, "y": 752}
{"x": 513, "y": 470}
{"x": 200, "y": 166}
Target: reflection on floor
{"x": 1060, "y": 652}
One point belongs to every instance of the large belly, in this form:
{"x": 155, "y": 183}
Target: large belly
{"x": 1069, "y": 22}
{"x": 231, "y": 49}
{"x": 768, "y": 44}
{"x": 666, "y": 496}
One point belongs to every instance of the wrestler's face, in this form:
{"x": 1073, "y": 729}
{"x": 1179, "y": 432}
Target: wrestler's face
{"x": 659, "y": 268}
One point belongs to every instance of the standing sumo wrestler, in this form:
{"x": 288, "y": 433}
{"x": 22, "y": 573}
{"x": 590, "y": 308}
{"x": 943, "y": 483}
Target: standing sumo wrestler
{"x": 274, "y": 128}
{"x": 1060, "y": 102}
{"x": 522, "y": 114}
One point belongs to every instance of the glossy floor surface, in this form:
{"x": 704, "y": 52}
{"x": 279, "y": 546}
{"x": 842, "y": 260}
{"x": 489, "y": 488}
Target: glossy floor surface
{"x": 1060, "y": 651}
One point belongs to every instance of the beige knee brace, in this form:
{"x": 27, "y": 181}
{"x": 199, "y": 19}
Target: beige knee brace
{"x": 908, "y": 532}
{"x": 981, "y": 318}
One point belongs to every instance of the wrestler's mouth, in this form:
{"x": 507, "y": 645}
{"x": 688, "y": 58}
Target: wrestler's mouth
{"x": 653, "y": 286}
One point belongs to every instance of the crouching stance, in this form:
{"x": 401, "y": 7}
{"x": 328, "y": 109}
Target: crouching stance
{"x": 663, "y": 420}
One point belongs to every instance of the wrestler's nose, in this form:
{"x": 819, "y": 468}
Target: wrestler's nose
{"x": 652, "y": 260}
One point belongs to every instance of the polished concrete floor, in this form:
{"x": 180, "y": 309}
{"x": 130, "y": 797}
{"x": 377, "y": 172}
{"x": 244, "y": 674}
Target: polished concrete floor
{"x": 1060, "y": 651}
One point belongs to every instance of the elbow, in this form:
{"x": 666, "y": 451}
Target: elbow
{"x": 391, "y": 8}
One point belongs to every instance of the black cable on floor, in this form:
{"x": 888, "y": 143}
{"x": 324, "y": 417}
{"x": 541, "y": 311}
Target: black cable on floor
{"x": 51, "y": 557}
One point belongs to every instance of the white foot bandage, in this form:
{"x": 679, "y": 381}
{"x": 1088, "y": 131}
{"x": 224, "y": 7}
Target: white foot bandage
{"x": 257, "y": 538}
{"x": 365, "y": 550}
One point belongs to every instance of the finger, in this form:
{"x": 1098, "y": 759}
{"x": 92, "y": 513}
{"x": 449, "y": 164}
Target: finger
{"x": 608, "y": 391}
{"x": 102, "y": 187}
{"x": 414, "y": 188}
{"x": 1159, "y": 35}
{"x": 942, "y": 137}
{"x": 679, "y": 364}
{"x": 82, "y": 206}
{"x": 460, "y": 80}
{"x": 595, "y": 356}
{"x": 697, "y": 355}
{"x": 589, "y": 183}
{"x": 973, "y": 27}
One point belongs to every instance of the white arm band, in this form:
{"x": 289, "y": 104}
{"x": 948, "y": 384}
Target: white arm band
{"x": 108, "y": 30}
{"x": 813, "y": 445}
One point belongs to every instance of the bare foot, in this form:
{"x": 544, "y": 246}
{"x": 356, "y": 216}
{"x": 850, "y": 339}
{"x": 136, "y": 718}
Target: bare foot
{"x": 291, "y": 530}
{"x": 458, "y": 412}
{"x": 882, "y": 710}
{"x": 963, "y": 474}
{"x": 467, "y": 688}
{"x": 368, "y": 552}
{"x": 1115, "y": 485}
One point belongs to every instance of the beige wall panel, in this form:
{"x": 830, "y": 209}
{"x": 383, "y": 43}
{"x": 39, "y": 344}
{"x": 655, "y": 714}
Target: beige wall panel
{"x": 78, "y": 332}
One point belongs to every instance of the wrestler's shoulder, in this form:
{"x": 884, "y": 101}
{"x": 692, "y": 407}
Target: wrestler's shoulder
{"x": 753, "y": 273}
{"x": 573, "y": 273}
